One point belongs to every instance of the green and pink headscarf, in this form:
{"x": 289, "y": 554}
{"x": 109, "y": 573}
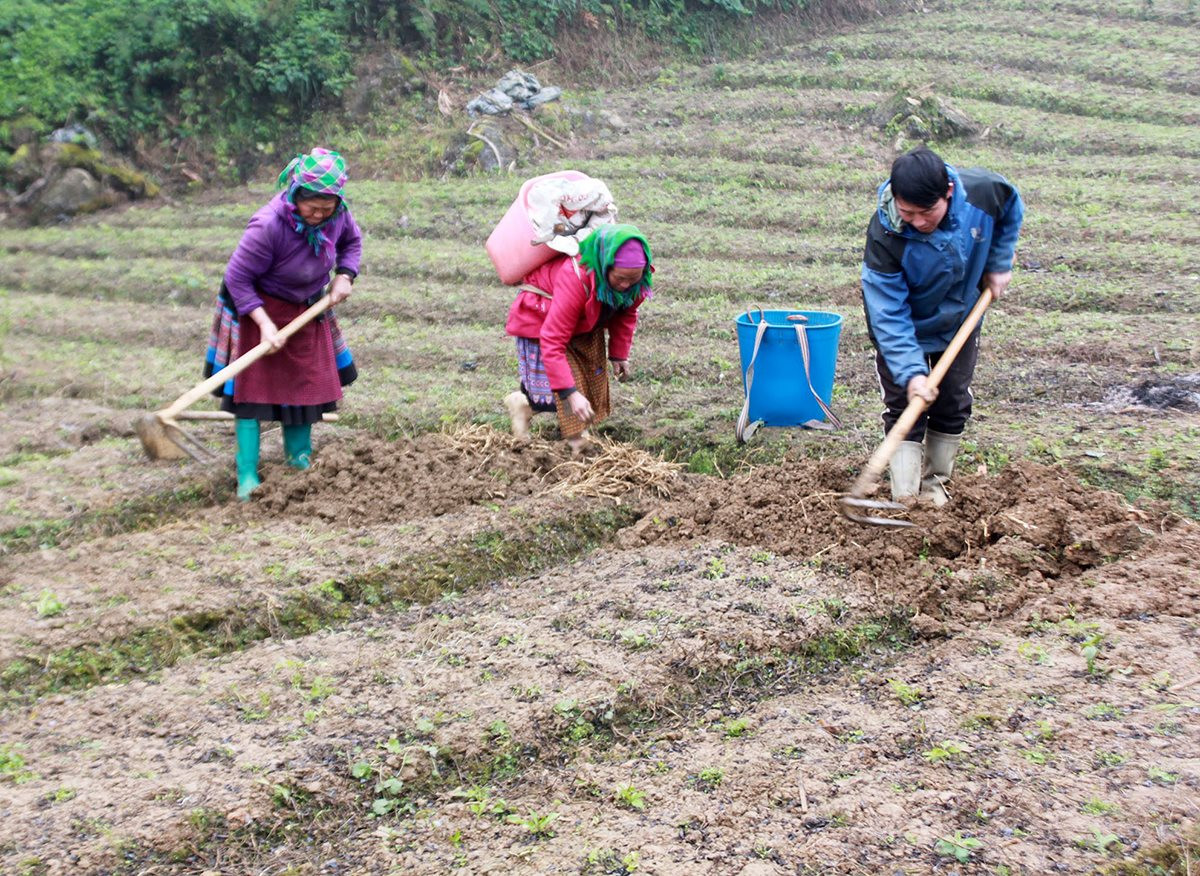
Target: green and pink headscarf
{"x": 321, "y": 172}
{"x": 620, "y": 246}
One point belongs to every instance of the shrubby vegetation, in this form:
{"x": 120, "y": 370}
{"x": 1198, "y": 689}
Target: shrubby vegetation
{"x": 236, "y": 73}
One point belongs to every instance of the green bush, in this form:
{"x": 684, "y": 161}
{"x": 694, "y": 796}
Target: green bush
{"x": 228, "y": 76}
{"x": 172, "y": 68}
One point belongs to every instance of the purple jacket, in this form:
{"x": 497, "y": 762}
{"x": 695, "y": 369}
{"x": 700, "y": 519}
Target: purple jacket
{"x": 273, "y": 258}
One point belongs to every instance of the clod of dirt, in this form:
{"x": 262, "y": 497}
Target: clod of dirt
{"x": 1002, "y": 540}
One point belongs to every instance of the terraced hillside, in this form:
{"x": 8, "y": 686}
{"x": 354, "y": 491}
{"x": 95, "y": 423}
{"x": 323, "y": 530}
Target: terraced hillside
{"x": 436, "y": 652}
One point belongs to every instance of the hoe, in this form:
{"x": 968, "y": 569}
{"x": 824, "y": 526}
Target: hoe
{"x": 867, "y": 482}
{"x": 160, "y": 432}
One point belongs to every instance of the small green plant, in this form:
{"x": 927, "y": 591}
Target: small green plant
{"x": 320, "y": 689}
{"x": 12, "y": 764}
{"x": 1160, "y": 776}
{"x": 1090, "y": 649}
{"x": 1033, "y": 653}
{"x": 948, "y": 750}
{"x": 61, "y": 795}
{"x": 482, "y": 804}
{"x": 635, "y": 641}
{"x": 958, "y": 847}
{"x": 1037, "y": 755}
{"x": 608, "y": 862}
{"x": 630, "y": 797}
{"x": 1096, "y": 806}
{"x": 49, "y": 605}
{"x": 735, "y": 727}
{"x": 709, "y": 778}
{"x": 906, "y": 693}
{"x": 981, "y": 722}
{"x": 1108, "y": 759}
{"x": 715, "y": 569}
{"x": 578, "y": 727}
{"x": 538, "y": 824}
{"x": 1161, "y": 681}
{"x": 388, "y": 794}
{"x": 1102, "y": 712}
{"x": 1100, "y": 841}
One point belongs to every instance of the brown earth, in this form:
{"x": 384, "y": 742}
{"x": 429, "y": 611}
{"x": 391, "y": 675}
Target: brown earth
{"x": 738, "y": 659}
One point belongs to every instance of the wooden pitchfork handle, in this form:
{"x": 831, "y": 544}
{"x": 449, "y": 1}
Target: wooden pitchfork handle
{"x": 241, "y": 363}
{"x": 883, "y": 455}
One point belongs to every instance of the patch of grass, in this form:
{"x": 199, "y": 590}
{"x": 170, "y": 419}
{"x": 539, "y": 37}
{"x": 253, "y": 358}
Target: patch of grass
{"x": 49, "y": 605}
{"x": 131, "y": 515}
{"x": 608, "y": 862}
{"x": 1177, "y": 856}
{"x": 422, "y": 578}
{"x": 12, "y": 764}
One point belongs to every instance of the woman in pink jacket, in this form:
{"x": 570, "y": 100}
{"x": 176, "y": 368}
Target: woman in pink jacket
{"x": 559, "y": 319}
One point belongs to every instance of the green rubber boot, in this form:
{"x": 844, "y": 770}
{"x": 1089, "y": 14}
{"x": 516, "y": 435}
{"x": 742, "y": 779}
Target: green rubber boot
{"x": 297, "y": 445}
{"x": 247, "y": 432}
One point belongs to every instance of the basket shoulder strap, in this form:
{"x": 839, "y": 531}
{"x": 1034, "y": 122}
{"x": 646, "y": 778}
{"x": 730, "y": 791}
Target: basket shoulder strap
{"x": 745, "y": 428}
{"x": 802, "y": 340}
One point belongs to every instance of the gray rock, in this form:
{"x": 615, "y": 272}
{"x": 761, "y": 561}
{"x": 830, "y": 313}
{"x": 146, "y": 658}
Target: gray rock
{"x": 922, "y": 115}
{"x": 74, "y": 134}
{"x": 68, "y": 193}
{"x": 544, "y": 96}
{"x": 504, "y": 154}
{"x": 468, "y": 150}
{"x": 490, "y": 103}
{"x": 519, "y": 85}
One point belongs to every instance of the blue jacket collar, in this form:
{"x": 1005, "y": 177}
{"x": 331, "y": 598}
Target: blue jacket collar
{"x": 889, "y": 216}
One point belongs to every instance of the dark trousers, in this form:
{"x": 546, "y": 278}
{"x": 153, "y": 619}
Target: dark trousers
{"x": 952, "y": 407}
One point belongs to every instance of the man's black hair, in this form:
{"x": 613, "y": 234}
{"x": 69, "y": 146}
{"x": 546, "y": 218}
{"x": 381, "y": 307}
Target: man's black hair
{"x": 919, "y": 177}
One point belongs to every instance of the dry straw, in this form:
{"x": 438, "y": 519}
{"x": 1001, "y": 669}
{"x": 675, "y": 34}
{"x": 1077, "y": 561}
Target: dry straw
{"x": 611, "y": 471}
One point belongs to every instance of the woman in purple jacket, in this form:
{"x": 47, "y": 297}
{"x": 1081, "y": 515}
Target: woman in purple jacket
{"x": 281, "y": 266}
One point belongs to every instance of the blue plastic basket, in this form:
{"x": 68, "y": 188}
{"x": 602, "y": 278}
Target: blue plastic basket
{"x": 788, "y": 363}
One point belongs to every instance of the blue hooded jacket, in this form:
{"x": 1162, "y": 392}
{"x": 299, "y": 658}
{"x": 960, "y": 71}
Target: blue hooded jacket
{"x": 917, "y": 288}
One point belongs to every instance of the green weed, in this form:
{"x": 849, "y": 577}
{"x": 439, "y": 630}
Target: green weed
{"x": 49, "y": 605}
{"x": 960, "y": 848}
{"x": 630, "y": 797}
{"x": 907, "y": 694}
{"x": 539, "y": 825}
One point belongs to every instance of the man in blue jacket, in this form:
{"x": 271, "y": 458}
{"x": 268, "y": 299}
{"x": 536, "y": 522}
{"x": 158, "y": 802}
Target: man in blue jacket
{"x": 938, "y": 237}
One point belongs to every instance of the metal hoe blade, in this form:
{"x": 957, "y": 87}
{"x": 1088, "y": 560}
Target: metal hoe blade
{"x": 847, "y": 504}
{"x": 164, "y": 439}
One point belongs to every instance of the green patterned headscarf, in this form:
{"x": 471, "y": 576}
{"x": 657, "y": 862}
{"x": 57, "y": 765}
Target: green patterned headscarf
{"x": 597, "y": 252}
{"x": 322, "y": 172}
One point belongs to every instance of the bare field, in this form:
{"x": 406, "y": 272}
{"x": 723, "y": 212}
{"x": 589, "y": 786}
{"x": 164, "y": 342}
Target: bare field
{"x": 434, "y": 653}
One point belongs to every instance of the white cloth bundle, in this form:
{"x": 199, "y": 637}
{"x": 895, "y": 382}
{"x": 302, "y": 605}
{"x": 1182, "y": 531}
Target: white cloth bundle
{"x": 564, "y": 212}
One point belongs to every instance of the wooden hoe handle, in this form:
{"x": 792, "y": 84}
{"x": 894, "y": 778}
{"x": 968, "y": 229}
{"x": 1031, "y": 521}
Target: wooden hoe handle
{"x": 883, "y": 455}
{"x": 241, "y": 363}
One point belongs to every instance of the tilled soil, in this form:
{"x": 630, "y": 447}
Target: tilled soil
{"x": 745, "y": 682}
